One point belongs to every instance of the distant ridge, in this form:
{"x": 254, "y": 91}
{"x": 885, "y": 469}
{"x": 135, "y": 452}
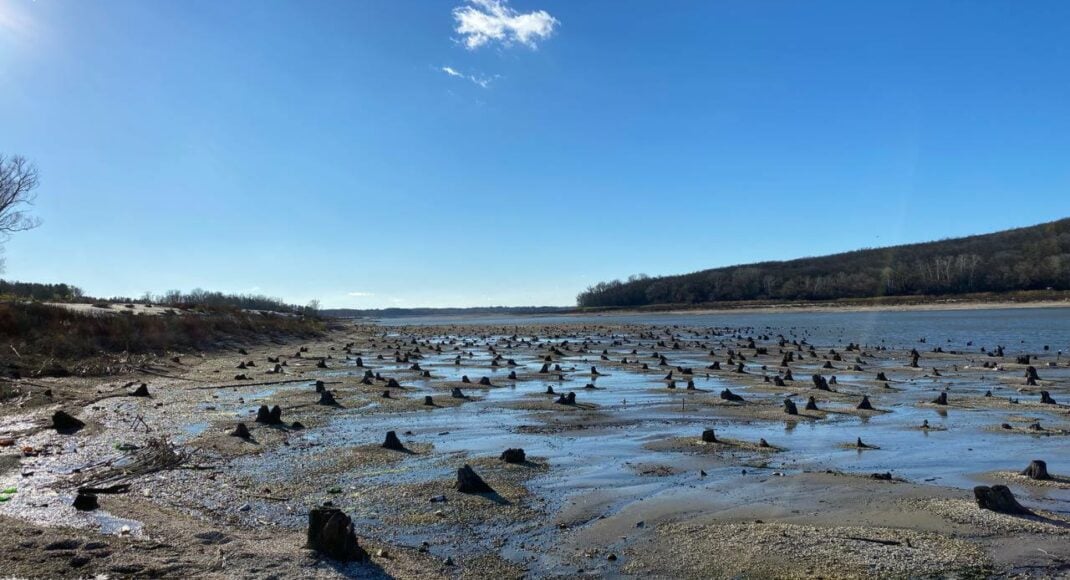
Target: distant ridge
{"x": 1030, "y": 258}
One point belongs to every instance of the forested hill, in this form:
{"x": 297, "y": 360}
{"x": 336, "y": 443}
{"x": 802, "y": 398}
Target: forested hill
{"x": 1031, "y": 258}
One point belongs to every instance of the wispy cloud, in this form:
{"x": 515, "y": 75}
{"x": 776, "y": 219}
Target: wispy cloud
{"x": 482, "y": 22}
{"x": 483, "y": 82}
{"x": 361, "y": 294}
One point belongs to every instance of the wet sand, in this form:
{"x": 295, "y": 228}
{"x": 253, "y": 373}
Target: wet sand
{"x": 618, "y": 484}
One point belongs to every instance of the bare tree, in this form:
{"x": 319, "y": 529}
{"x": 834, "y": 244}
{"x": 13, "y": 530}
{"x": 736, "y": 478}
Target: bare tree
{"x": 18, "y": 179}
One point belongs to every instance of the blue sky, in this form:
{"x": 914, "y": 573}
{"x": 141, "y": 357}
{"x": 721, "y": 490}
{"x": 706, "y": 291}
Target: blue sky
{"x": 323, "y": 150}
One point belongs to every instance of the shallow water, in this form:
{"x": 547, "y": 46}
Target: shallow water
{"x": 1014, "y": 328}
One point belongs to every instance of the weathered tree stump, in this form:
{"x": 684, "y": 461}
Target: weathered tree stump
{"x": 514, "y": 456}
{"x": 141, "y": 391}
{"x": 998, "y": 498}
{"x": 392, "y": 442}
{"x": 865, "y": 404}
{"x": 327, "y": 399}
{"x": 331, "y": 533}
{"x": 1037, "y": 470}
{"x": 468, "y": 481}
{"x": 790, "y": 408}
{"x": 550, "y": 390}
{"x": 1045, "y": 397}
{"x": 709, "y": 436}
{"x": 85, "y": 502}
{"x": 820, "y": 383}
{"x": 241, "y": 431}
{"x": 485, "y": 381}
{"x": 941, "y": 400}
{"x": 811, "y": 404}
{"x": 63, "y": 422}
{"x": 428, "y": 401}
{"x": 456, "y": 393}
{"x": 728, "y": 395}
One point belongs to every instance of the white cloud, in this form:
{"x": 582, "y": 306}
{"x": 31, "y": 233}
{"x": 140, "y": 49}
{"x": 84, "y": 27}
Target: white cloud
{"x": 361, "y": 294}
{"x": 483, "y": 82}
{"x": 485, "y": 21}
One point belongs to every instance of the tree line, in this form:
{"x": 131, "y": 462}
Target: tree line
{"x": 1031, "y": 258}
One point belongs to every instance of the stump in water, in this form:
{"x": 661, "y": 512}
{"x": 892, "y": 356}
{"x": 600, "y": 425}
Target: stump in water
{"x": 468, "y": 481}
{"x": 778, "y": 381}
{"x": 428, "y": 401}
{"x": 85, "y": 502}
{"x": 1031, "y": 375}
{"x": 386, "y": 395}
{"x": 691, "y": 385}
{"x": 466, "y": 380}
{"x": 859, "y": 444}
{"x": 763, "y": 443}
{"x": 1045, "y": 397}
{"x": 392, "y": 442}
{"x": 550, "y": 390}
{"x": 322, "y": 364}
{"x": 1022, "y": 359}
{"x": 820, "y": 383}
{"x": 545, "y": 369}
{"x": 941, "y": 400}
{"x": 512, "y": 375}
{"x": 456, "y": 393}
{"x": 1037, "y": 470}
{"x": 330, "y": 532}
{"x": 393, "y": 384}
{"x": 514, "y": 456}
{"x": 865, "y": 404}
{"x": 327, "y": 398}
{"x": 811, "y": 404}
{"x": 485, "y": 381}
{"x": 790, "y": 408}
{"x": 998, "y": 498}
{"x": 728, "y": 395}
{"x": 65, "y": 423}
{"x": 141, "y": 391}
{"x": 709, "y": 436}
{"x": 241, "y": 431}
{"x": 321, "y": 386}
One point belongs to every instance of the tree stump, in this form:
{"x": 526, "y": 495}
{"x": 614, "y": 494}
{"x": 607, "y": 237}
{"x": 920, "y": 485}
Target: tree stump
{"x": 728, "y": 395}
{"x": 428, "y": 402}
{"x": 1045, "y": 397}
{"x": 241, "y": 431}
{"x": 485, "y": 381}
{"x": 790, "y": 408}
{"x": 392, "y": 442}
{"x": 709, "y": 436}
{"x": 330, "y": 532}
{"x": 141, "y": 391}
{"x": 1037, "y": 470}
{"x": 514, "y": 456}
{"x": 865, "y": 404}
{"x": 327, "y": 398}
{"x": 941, "y": 400}
{"x": 85, "y": 502}
{"x": 811, "y": 404}
{"x": 456, "y": 393}
{"x": 998, "y": 498}
{"x": 62, "y": 422}
{"x": 468, "y": 481}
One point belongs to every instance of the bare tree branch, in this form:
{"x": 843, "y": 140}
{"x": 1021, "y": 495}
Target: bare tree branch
{"x": 18, "y": 179}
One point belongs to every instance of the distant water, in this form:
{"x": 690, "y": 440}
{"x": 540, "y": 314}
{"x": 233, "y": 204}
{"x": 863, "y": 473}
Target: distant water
{"x": 1016, "y": 329}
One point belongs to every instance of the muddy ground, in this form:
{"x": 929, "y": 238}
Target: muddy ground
{"x": 620, "y": 483}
